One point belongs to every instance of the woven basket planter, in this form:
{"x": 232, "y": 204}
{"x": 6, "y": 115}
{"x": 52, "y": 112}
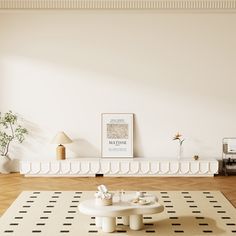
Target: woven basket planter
{"x": 103, "y": 202}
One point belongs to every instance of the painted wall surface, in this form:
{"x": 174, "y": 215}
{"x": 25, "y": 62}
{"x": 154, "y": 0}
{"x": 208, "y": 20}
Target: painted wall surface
{"x": 175, "y": 71}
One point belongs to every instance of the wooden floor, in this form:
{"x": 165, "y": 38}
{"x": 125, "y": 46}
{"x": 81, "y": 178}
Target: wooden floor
{"x": 13, "y": 184}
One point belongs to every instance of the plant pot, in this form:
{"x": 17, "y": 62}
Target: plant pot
{"x": 5, "y": 165}
{"x": 103, "y": 202}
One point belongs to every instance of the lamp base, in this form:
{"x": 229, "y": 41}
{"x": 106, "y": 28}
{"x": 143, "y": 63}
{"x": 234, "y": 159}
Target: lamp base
{"x": 61, "y": 152}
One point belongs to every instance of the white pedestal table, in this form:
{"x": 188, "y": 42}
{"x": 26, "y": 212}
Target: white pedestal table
{"x": 132, "y": 214}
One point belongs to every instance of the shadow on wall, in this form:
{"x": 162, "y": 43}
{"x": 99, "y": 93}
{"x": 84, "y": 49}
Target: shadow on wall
{"x": 83, "y": 148}
{"x": 37, "y": 145}
{"x": 138, "y": 148}
{"x": 31, "y": 146}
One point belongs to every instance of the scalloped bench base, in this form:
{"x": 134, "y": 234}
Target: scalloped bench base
{"x": 85, "y": 167}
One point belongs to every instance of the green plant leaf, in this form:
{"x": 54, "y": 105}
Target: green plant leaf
{"x": 10, "y": 130}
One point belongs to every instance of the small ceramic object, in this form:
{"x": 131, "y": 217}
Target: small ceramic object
{"x": 135, "y": 200}
{"x": 103, "y": 197}
{"x": 195, "y": 157}
{"x": 140, "y": 194}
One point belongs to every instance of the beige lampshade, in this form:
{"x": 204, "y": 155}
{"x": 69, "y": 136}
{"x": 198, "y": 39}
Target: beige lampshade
{"x": 61, "y": 138}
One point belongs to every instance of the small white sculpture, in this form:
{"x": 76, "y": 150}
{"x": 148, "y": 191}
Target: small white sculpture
{"x": 103, "y": 197}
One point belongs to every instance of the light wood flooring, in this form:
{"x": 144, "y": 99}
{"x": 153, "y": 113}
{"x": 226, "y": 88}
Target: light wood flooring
{"x": 13, "y": 184}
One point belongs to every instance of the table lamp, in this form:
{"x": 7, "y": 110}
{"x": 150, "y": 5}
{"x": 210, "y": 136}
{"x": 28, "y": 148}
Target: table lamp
{"x": 61, "y": 138}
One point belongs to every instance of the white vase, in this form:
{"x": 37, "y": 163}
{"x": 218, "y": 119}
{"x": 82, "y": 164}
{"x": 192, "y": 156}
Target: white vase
{"x": 180, "y": 154}
{"x": 5, "y": 163}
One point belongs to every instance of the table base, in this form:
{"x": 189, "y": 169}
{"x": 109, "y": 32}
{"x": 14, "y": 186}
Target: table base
{"x": 108, "y": 224}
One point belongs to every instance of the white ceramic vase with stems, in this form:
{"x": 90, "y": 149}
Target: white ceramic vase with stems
{"x": 180, "y": 154}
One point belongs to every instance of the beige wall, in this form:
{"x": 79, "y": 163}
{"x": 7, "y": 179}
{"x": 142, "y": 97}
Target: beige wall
{"x": 176, "y": 71}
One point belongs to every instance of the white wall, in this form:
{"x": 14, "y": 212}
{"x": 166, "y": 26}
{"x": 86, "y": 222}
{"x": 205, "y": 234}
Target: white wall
{"x": 176, "y": 71}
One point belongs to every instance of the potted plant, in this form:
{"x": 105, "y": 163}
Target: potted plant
{"x": 10, "y": 130}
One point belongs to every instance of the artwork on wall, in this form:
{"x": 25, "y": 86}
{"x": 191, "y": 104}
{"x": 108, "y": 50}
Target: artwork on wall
{"x": 117, "y": 134}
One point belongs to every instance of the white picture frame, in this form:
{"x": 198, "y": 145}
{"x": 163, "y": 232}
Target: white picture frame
{"x": 117, "y": 135}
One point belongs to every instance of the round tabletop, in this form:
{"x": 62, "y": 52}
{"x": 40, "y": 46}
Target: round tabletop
{"x": 120, "y": 208}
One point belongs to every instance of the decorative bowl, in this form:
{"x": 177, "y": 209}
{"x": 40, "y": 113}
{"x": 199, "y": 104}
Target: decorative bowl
{"x": 103, "y": 202}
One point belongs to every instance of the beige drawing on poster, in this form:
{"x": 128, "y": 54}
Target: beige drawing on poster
{"x": 117, "y": 131}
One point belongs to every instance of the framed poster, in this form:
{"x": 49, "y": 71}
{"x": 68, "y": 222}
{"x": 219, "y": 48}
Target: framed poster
{"x": 117, "y": 134}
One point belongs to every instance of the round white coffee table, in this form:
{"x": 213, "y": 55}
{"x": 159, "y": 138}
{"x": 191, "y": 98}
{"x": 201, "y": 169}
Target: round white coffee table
{"x": 132, "y": 214}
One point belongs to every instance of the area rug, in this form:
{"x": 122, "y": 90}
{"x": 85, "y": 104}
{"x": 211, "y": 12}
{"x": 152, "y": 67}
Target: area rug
{"x": 49, "y": 213}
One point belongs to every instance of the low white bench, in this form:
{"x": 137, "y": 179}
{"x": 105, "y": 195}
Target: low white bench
{"x": 132, "y": 214}
{"x": 120, "y": 167}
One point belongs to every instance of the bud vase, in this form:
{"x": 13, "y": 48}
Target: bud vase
{"x": 180, "y": 154}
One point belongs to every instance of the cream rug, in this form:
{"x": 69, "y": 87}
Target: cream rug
{"x": 50, "y": 213}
